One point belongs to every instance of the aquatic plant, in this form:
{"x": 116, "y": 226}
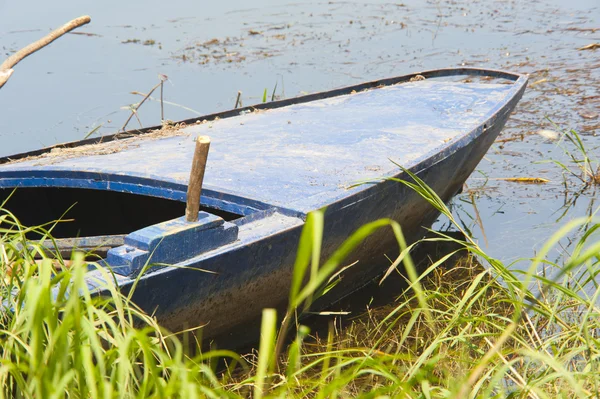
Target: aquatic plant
{"x": 133, "y": 108}
{"x": 586, "y": 168}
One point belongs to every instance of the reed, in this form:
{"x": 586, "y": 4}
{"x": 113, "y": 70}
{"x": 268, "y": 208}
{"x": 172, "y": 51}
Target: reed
{"x": 581, "y": 166}
{"x": 478, "y": 328}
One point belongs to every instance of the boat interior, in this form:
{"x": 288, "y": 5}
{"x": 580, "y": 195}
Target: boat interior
{"x": 86, "y": 213}
{"x": 94, "y": 221}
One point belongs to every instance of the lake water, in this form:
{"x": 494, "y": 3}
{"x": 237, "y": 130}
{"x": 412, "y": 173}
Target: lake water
{"x": 209, "y": 52}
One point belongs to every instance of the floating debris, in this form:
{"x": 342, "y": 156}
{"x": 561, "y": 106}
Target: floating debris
{"x": 417, "y": 78}
{"x": 592, "y": 46}
{"x": 85, "y": 34}
{"x": 588, "y": 114}
{"x": 530, "y": 180}
{"x": 519, "y": 137}
{"x": 210, "y": 42}
{"x": 537, "y": 82}
{"x": 549, "y": 134}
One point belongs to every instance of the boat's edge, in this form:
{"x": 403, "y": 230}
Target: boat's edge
{"x": 519, "y": 80}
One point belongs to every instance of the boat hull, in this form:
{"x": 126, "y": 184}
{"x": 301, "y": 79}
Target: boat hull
{"x": 272, "y": 165}
{"x": 259, "y": 275}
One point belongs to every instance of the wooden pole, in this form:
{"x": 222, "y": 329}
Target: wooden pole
{"x": 238, "y": 100}
{"x": 6, "y": 67}
{"x": 196, "y": 177}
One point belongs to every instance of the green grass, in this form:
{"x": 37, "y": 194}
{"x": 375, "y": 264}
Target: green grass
{"x": 582, "y": 167}
{"x": 478, "y": 328}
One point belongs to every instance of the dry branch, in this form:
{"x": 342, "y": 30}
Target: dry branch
{"x": 6, "y": 67}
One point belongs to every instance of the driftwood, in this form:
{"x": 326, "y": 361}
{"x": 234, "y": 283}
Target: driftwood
{"x": 6, "y": 67}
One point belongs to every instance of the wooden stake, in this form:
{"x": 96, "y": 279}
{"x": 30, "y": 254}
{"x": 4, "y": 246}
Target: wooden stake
{"x": 238, "y": 100}
{"x": 196, "y": 177}
{"x": 6, "y": 67}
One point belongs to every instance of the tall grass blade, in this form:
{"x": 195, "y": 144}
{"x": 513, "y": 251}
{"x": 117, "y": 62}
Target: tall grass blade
{"x": 268, "y": 332}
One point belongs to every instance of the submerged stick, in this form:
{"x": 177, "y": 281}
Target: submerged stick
{"x": 192, "y": 206}
{"x": 162, "y": 77}
{"x": 6, "y": 67}
{"x": 162, "y": 106}
{"x": 238, "y": 100}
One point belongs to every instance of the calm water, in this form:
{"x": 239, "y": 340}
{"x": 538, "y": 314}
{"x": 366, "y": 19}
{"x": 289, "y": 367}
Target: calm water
{"x": 209, "y": 52}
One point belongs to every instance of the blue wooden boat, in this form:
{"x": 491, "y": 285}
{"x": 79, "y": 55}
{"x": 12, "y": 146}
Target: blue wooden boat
{"x": 269, "y": 165}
